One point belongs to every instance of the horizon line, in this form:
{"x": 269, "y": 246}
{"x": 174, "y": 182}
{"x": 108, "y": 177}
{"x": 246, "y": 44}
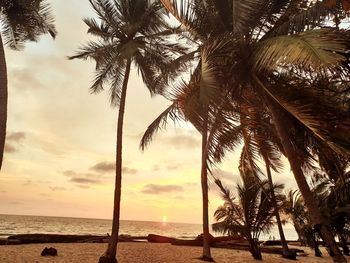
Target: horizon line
{"x": 75, "y": 217}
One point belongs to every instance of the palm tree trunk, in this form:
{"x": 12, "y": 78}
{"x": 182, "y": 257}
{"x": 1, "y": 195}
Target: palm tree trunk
{"x": 204, "y": 181}
{"x": 234, "y": 15}
{"x": 285, "y": 249}
{"x": 295, "y": 163}
{"x": 3, "y": 100}
{"x": 344, "y": 243}
{"x": 110, "y": 254}
{"x": 254, "y": 249}
{"x": 316, "y": 245}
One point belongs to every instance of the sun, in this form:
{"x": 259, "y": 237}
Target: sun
{"x": 165, "y": 219}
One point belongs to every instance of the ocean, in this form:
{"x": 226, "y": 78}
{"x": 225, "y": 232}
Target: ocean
{"x": 20, "y": 224}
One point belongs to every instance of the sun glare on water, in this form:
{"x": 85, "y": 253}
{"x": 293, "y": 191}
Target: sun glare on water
{"x": 165, "y": 219}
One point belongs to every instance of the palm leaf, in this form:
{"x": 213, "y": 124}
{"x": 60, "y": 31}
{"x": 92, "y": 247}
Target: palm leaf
{"x": 159, "y": 123}
{"x": 26, "y": 21}
{"x": 183, "y": 11}
{"x": 326, "y": 123}
{"x": 322, "y": 49}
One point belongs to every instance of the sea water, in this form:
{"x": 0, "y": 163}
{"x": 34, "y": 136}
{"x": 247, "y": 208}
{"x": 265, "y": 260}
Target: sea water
{"x": 20, "y": 224}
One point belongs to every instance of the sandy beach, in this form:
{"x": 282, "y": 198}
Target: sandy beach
{"x": 137, "y": 253}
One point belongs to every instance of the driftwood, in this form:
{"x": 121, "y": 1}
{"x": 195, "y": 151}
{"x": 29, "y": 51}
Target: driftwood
{"x": 199, "y": 241}
{"x": 159, "y": 239}
{"x": 231, "y": 243}
{"x": 191, "y": 242}
{"x": 264, "y": 249}
{"x": 217, "y": 242}
{"x": 53, "y": 238}
{"x": 279, "y": 243}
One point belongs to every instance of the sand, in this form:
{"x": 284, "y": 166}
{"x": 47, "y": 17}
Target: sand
{"x": 137, "y": 253}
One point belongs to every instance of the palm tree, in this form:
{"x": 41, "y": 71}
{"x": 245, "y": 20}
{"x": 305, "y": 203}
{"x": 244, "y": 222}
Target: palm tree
{"x": 333, "y": 199}
{"x": 294, "y": 155}
{"x": 270, "y": 40}
{"x": 259, "y": 139}
{"x": 294, "y": 207}
{"x": 22, "y": 21}
{"x": 128, "y": 32}
{"x": 251, "y": 212}
{"x": 189, "y": 104}
{"x": 194, "y": 102}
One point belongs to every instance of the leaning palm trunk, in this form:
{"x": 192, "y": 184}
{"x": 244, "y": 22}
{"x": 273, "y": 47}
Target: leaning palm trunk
{"x": 3, "y": 100}
{"x": 204, "y": 181}
{"x": 285, "y": 250}
{"x": 110, "y": 254}
{"x": 295, "y": 163}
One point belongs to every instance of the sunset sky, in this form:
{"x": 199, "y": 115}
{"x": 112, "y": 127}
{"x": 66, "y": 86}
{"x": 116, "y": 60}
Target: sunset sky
{"x": 61, "y": 140}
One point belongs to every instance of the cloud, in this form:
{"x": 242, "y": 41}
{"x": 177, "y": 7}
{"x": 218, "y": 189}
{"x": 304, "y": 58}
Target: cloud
{"x": 224, "y": 175}
{"x": 192, "y": 184}
{"x": 128, "y": 170}
{"x": 184, "y": 140}
{"x": 82, "y": 178}
{"x": 50, "y": 143}
{"x": 16, "y": 136}
{"x": 228, "y": 179}
{"x": 23, "y": 78}
{"x": 136, "y": 137}
{"x": 83, "y": 186}
{"x": 174, "y": 166}
{"x": 27, "y": 182}
{"x": 13, "y": 140}
{"x": 181, "y": 139}
{"x": 170, "y": 166}
{"x": 156, "y": 167}
{"x": 160, "y": 189}
{"x": 9, "y": 148}
{"x": 57, "y": 188}
{"x": 104, "y": 167}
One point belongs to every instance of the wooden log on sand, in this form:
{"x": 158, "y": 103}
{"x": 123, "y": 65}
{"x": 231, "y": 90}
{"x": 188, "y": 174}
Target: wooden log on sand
{"x": 264, "y": 249}
{"x": 279, "y": 243}
{"x": 183, "y": 242}
{"x": 231, "y": 243}
{"x": 199, "y": 241}
{"x": 53, "y": 238}
{"x": 159, "y": 239}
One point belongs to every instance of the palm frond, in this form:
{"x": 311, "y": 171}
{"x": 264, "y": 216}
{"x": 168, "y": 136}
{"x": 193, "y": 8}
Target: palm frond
{"x": 184, "y": 12}
{"x": 26, "y": 21}
{"x": 159, "y": 123}
{"x": 298, "y": 18}
{"x": 213, "y": 54}
{"x": 111, "y": 14}
{"x": 246, "y": 15}
{"x": 323, "y": 49}
{"x": 328, "y": 124}
{"x": 99, "y": 30}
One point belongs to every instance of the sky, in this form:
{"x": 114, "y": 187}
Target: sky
{"x": 60, "y": 148}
